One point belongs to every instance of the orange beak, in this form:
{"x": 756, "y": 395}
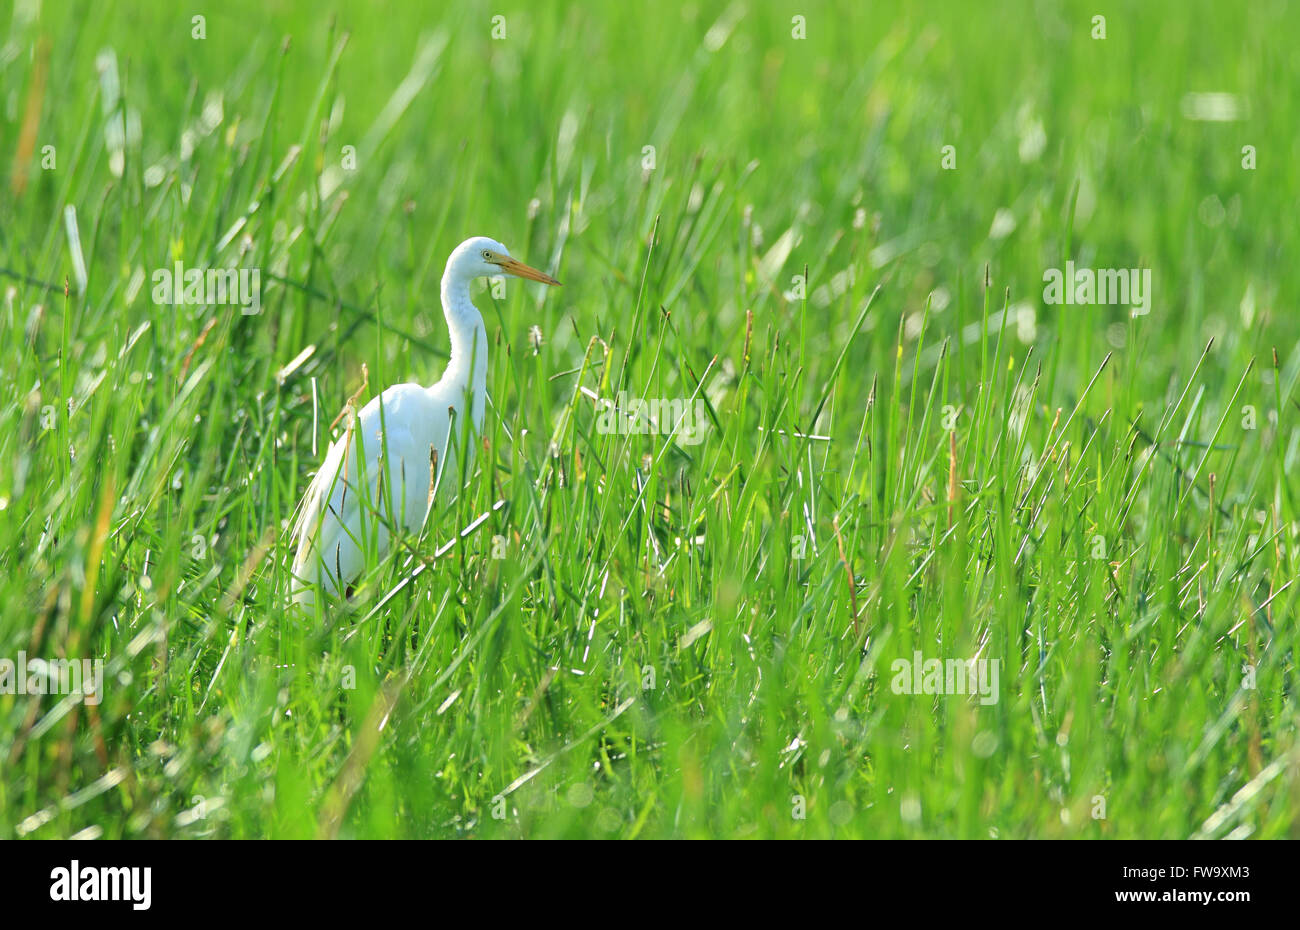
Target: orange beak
{"x": 520, "y": 270}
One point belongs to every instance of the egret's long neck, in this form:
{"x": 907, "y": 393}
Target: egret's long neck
{"x": 468, "y": 365}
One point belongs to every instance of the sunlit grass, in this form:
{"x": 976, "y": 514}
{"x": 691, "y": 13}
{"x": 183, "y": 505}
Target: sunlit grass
{"x": 638, "y": 636}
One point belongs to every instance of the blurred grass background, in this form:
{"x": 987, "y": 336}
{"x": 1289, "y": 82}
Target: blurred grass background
{"x": 681, "y": 640}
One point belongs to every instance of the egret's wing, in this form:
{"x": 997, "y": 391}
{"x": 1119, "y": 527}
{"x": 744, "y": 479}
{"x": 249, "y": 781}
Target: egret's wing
{"x": 338, "y": 507}
{"x": 315, "y": 510}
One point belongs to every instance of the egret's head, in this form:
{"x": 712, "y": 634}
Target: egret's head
{"x": 481, "y": 257}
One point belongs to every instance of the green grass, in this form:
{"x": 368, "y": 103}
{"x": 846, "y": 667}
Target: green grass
{"x": 663, "y": 639}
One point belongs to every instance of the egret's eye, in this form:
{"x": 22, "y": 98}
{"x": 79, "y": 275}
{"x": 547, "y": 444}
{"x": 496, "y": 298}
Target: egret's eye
{"x": 487, "y": 255}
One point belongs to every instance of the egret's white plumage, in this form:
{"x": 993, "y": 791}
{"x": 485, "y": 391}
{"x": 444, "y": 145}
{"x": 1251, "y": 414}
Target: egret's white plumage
{"x": 349, "y": 510}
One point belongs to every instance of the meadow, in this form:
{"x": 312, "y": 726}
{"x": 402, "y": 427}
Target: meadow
{"x": 821, "y": 231}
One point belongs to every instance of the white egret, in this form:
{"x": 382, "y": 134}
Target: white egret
{"x": 348, "y": 509}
